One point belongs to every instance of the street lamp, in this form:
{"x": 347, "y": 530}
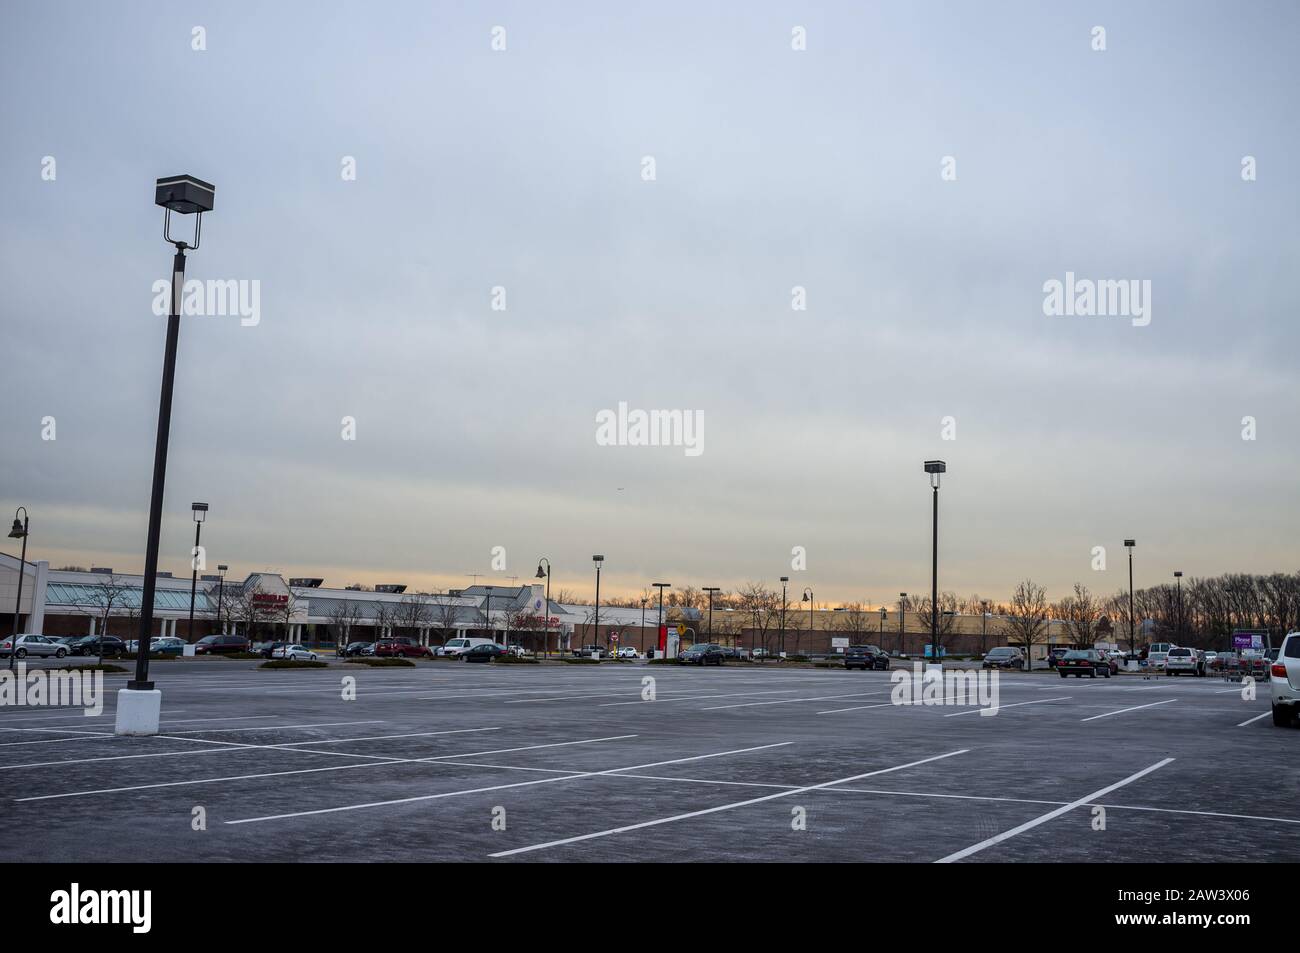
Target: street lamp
{"x": 19, "y": 532}
{"x": 784, "y": 582}
{"x": 935, "y": 468}
{"x": 1132, "y": 631}
{"x": 221, "y": 591}
{"x": 595, "y": 640}
{"x": 661, "y": 586}
{"x": 546, "y": 638}
{"x": 185, "y": 195}
{"x": 1178, "y": 579}
{"x": 902, "y": 610}
{"x": 984, "y": 632}
{"x": 711, "y": 590}
{"x": 808, "y": 598}
{"x": 883, "y": 612}
{"x": 200, "y": 512}
{"x": 487, "y": 614}
{"x": 642, "y": 638}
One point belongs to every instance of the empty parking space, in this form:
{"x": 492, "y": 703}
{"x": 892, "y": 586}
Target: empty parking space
{"x": 642, "y": 762}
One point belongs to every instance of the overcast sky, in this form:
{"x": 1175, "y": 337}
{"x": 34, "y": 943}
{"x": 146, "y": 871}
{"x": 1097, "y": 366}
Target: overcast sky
{"x": 774, "y": 168}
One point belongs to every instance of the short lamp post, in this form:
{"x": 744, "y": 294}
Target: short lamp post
{"x": 200, "y": 511}
{"x": 19, "y": 532}
{"x": 546, "y": 636}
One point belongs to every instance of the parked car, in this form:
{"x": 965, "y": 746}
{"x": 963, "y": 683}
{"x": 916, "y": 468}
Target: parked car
{"x": 460, "y": 646}
{"x": 761, "y": 653}
{"x": 220, "y": 645}
{"x": 1183, "y": 661}
{"x": 1284, "y": 681}
{"x": 1004, "y": 656}
{"x": 1081, "y": 662}
{"x": 1054, "y": 656}
{"x": 266, "y": 649}
{"x": 1157, "y": 652}
{"x": 159, "y": 645}
{"x": 401, "y": 648}
{"x": 735, "y": 652}
{"x": 591, "y": 651}
{"x": 702, "y": 653}
{"x": 37, "y": 645}
{"x": 517, "y": 650}
{"x": 108, "y": 646}
{"x": 628, "y": 651}
{"x": 353, "y": 649}
{"x": 865, "y": 657}
{"x": 484, "y": 652}
{"x": 290, "y": 650}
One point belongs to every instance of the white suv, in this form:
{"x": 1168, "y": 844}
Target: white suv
{"x": 1181, "y": 660}
{"x": 1284, "y": 681}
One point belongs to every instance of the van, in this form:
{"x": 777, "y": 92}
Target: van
{"x": 460, "y": 646}
{"x": 1157, "y": 652}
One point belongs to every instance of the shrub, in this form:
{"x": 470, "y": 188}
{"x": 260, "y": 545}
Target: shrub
{"x": 240, "y": 656}
{"x": 92, "y": 667}
{"x": 382, "y": 662}
{"x": 516, "y": 660}
{"x": 584, "y": 660}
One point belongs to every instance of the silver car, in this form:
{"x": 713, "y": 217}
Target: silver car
{"x": 38, "y": 645}
{"x": 1284, "y": 681}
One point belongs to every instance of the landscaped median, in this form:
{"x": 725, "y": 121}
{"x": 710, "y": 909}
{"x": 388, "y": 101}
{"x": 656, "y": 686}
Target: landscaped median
{"x": 293, "y": 663}
{"x": 381, "y": 662}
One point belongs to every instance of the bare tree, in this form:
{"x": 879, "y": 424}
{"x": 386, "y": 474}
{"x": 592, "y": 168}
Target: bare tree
{"x": 443, "y": 615}
{"x": 104, "y": 598}
{"x": 1081, "y": 613}
{"x": 1026, "y": 618}
{"x": 762, "y": 606}
{"x": 947, "y": 615}
{"x": 386, "y": 615}
{"x": 414, "y": 612}
{"x": 343, "y": 616}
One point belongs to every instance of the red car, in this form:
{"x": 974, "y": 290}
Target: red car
{"x": 401, "y": 648}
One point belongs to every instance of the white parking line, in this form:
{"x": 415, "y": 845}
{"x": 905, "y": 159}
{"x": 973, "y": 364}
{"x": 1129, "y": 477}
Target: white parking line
{"x": 788, "y": 701}
{"x": 1123, "y": 710}
{"x": 720, "y": 807}
{"x": 836, "y": 711}
{"x": 1249, "y": 721}
{"x": 500, "y": 787}
{"x": 1063, "y": 809}
{"x": 1036, "y": 701}
{"x": 686, "y": 698}
{"x": 280, "y": 774}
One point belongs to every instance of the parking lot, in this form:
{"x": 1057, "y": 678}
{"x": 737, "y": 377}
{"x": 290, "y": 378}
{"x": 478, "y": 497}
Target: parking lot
{"x": 449, "y": 761}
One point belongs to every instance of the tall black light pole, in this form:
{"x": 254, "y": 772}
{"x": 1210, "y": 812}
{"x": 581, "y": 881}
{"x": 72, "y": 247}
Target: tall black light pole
{"x": 883, "y": 613}
{"x": 1178, "y": 579}
{"x": 487, "y": 614}
{"x": 595, "y": 639}
{"x": 1132, "y": 630}
{"x": 546, "y": 638}
{"x": 711, "y": 590}
{"x": 19, "y": 532}
{"x": 200, "y": 511}
{"x": 184, "y": 195}
{"x": 221, "y": 591}
{"x": 935, "y": 468}
{"x": 984, "y": 632}
{"x": 661, "y": 586}
{"x": 902, "y": 611}
{"x": 785, "y": 581}
{"x": 643, "y": 601}
{"x": 808, "y": 598}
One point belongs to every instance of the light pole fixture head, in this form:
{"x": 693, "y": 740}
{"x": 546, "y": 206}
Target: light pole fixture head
{"x": 222, "y": 567}
{"x": 184, "y": 194}
{"x": 785, "y": 578}
{"x": 19, "y": 531}
{"x": 1178, "y": 574}
{"x": 902, "y": 595}
{"x": 597, "y": 560}
{"x": 541, "y": 573}
{"x": 804, "y": 597}
{"x": 200, "y": 511}
{"x": 934, "y": 468}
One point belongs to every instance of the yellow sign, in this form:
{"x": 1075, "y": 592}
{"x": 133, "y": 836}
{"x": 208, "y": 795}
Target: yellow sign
{"x": 681, "y": 629}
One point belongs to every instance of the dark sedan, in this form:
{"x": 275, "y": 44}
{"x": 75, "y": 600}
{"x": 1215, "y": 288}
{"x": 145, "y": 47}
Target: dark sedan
{"x": 111, "y": 647}
{"x": 354, "y": 649}
{"x": 1081, "y": 662}
{"x": 865, "y": 657}
{"x": 220, "y": 645}
{"x": 485, "y": 653}
{"x": 702, "y": 653}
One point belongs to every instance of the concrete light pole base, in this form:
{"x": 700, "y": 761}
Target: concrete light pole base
{"x": 138, "y": 712}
